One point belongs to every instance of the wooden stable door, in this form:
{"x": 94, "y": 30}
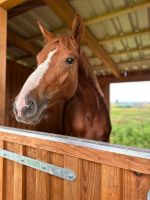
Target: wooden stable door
{"x": 103, "y": 171}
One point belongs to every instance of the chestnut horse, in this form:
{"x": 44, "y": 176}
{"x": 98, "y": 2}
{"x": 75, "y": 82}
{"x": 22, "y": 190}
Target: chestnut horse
{"x": 65, "y": 84}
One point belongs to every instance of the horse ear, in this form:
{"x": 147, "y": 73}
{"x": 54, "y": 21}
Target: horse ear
{"x": 48, "y": 36}
{"x": 77, "y": 28}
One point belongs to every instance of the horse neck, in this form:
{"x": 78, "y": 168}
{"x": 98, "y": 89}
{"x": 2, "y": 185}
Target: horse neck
{"x": 88, "y": 81}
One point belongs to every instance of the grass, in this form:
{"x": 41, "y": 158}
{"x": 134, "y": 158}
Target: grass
{"x": 131, "y": 126}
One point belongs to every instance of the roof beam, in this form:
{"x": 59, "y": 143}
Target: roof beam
{"x": 20, "y": 9}
{"x": 3, "y": 47}
{"x": 102, "y": 41}
{"x": 128, "y": 64}
{"x": 135, "y": 50}
{"x": 21, "y": 43}
{"x": 117, "y": 12}
{"x": 8, "y": 4}
{"x": 131, "y": 77}
{"x": 125, "y": 36}
{"x": 59, "y": 7}
{"x": 39, "y": 36}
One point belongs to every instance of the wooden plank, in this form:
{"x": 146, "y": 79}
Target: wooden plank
{"x": 131, "y": 77}
{"x": 110, "y": 183}
{"x": 3, "y": 39}
{"x": 8, "y": 4}
{"x": 22, "y": 43}
{"x": 72, "y": 189}
{"x": 90, "y": 180}
{"x": 146, "y": 48}
{"x": 135, "y": 185}
{"x": 19, "y": 176}
{"x": 56, "y": 184}
{"x": 58, "y": 7}
{"x": 30, "y": 176}
{"x": 119, "y": 160}
{"x": 9, "y": 174}
{"x": 42, "y": 179}
{"x": 2, "y": 167}
{"x": 20, "y": 9}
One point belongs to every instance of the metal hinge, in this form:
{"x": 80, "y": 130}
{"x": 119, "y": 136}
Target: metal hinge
{"x": 60, "y": 172}
{"x": 148, "y": 195}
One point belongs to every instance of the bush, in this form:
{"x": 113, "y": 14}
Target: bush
{"x": 131, "y": 126}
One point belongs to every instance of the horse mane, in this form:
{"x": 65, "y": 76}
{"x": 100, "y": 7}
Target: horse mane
{"x": 86, "y": 67}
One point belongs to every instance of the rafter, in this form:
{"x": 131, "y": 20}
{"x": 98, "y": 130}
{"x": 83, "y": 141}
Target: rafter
{"x": 8, "y": 4}
{"x": 39, "y": 36}
{"x": 21, "y": 43}
{"x": 125, "y": 36}
{"x": 135, "y": 50}
{"x": 20, "y": 9}
{"x": 119, "y": 11}
{"x": 59, "y": 7}
{"x": 130, "y": 77}
{"x": 128, "y": 64}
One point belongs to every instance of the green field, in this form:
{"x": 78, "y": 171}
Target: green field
{"x": 131, "y": 126}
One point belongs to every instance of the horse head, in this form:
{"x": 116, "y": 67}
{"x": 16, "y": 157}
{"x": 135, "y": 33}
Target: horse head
{"x": 56, "y": 77}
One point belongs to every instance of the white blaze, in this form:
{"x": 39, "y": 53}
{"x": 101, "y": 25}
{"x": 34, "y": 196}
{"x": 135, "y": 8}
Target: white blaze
{"x": 32, "y": 82}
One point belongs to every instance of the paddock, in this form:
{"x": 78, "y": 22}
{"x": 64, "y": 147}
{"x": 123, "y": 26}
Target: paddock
{"x": 38, "y": 165}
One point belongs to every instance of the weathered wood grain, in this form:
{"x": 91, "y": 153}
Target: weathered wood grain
{"x": 9, "y": 174}
{"x": 72, "y": 189}
{"x": 30, "y": 176}
{"x": 2, "y": 167}
{"x": 3, "y": 37}
{"x": 135, "y": 185}
{"x": 110, "y": 183}
{"x": 56, "y": 184}
{"x": 90, "y": 180}
{"x": 19, "y": 176}
{"x": 42, "y": 179}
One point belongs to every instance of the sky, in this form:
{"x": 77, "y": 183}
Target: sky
{"x": 130, "y": 92}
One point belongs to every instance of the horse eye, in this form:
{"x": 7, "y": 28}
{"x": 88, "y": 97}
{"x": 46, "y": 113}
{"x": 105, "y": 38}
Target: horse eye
{"x": 69, "y": 60}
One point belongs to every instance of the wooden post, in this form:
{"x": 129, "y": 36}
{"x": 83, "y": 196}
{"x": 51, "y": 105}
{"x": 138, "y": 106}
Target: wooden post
{"x": 3, "y": 38}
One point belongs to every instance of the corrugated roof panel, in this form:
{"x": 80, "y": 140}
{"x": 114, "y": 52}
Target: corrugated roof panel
{"x": 16, "y": 27}
{"x": 48, "y": 16}
{"x": 87, "y": 51}
{"x": 95, "y": 61}
{"x": 83, "y": 7}
{"x": 29, "y": 20}
{"x": 131, "y": 43}
{"x": 143, "y": 18}
{"x": 145, "y": 40}
{"x": 15, "y": 52}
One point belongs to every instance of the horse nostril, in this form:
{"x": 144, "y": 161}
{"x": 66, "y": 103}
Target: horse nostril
{"x": 30, "y": 109}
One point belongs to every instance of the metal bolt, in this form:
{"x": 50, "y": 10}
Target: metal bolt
{"x": 4, "y": 154}
{"x": 44, "y": 168}
{"x": 70, "y": 175}
{"x": 22, "y": 160}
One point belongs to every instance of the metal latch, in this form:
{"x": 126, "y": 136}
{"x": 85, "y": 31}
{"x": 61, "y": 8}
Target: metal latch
{"x": 60, "y": 172}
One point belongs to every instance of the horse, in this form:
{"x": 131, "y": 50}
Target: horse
{"x": 64, "y": 84}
